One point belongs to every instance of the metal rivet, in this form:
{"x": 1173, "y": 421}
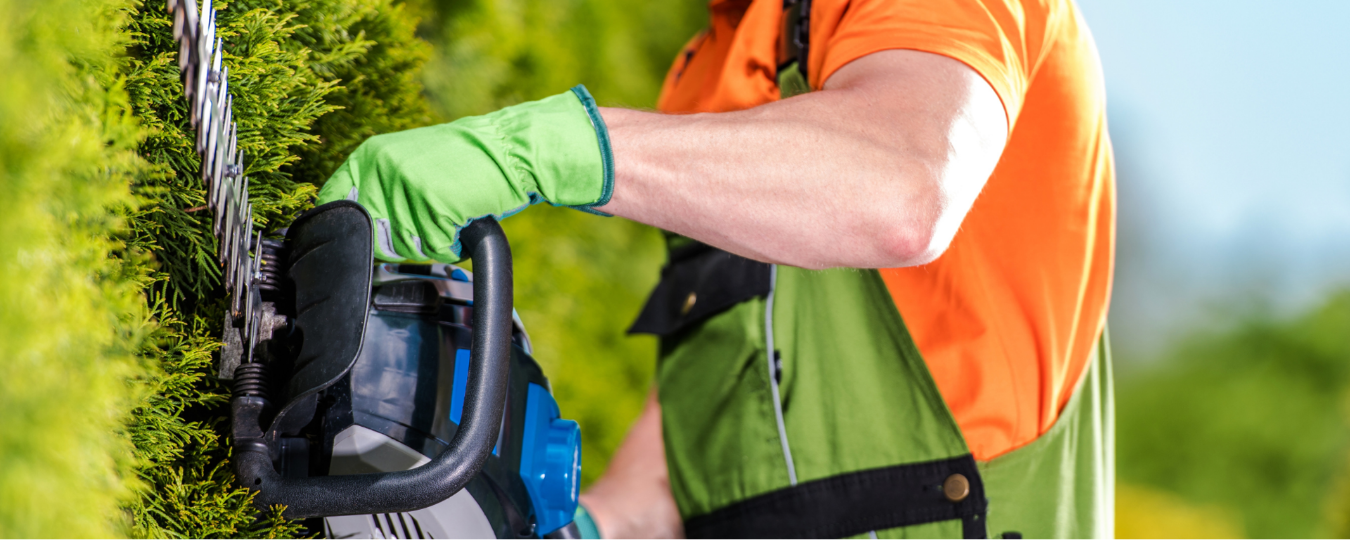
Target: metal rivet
{"x": 956, "y": 488}
{"x": 688, "y": 303}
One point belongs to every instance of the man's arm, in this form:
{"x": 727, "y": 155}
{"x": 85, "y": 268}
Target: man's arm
{"x": 876, "y": 170}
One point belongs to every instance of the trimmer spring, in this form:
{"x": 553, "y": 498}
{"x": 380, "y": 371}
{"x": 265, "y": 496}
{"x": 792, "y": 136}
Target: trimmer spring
{"x": 270, "y": 272}
{"x": 250, "y": 380}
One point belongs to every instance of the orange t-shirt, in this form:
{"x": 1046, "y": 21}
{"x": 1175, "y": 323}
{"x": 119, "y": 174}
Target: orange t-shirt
{"x": 1007, "y": 318}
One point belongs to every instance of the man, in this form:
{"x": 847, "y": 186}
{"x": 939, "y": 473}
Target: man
{"x": 958, "y": 146}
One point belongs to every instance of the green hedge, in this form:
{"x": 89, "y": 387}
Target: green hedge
{"x": 67, "y": 310}
{"x": 110, "y": 308}
{"x": 310, "y": 80}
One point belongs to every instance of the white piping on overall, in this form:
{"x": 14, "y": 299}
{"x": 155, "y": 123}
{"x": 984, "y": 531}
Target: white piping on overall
{"x": 773, "y": 379}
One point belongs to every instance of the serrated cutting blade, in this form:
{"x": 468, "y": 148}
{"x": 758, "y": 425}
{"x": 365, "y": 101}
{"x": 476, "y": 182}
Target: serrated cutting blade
{"x": 211, "y": 111}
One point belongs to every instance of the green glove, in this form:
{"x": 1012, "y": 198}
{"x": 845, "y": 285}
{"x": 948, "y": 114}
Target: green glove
{"x": 423, "y": 185}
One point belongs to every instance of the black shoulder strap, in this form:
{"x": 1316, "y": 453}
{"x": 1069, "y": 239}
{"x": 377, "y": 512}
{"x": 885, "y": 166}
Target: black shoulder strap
{"x": 794, "y": 39}
{"x": 700, "y": 281}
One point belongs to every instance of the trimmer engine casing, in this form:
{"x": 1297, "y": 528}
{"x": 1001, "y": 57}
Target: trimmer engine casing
{"x": 400, "y": 404}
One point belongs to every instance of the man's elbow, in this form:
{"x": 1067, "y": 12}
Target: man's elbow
{"x": 919, "y": 232}
{"x": 891, "y": 241}
{"x": 912, "y": 242}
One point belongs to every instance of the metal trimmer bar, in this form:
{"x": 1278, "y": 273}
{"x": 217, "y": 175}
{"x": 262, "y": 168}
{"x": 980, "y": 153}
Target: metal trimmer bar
{"x": 211, "y": 115}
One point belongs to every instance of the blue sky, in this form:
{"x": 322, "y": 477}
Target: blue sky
{"x": 1232, "y": 128}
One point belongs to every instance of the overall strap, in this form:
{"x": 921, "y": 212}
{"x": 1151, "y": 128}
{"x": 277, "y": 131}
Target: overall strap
{"x": 856, "y": 503}
{"x": 794, "y": 48}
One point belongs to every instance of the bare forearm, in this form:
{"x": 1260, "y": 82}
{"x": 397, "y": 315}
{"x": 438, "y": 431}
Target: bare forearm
{"x": 852, "y": 176}
{"x": 769, "y": 183}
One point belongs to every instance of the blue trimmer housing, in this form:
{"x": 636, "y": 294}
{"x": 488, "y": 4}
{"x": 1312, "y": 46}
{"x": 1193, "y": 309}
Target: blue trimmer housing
{"x": 409, "y": 386}
{"x": 393, "y": 422}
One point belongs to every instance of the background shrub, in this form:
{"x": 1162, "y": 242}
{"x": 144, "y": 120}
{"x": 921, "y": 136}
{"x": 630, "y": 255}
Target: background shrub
{"x": 1252, "y": 422}
{"x": 69, "y": 314}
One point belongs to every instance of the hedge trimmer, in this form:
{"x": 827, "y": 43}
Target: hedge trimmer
{"x": 393, "y": 401}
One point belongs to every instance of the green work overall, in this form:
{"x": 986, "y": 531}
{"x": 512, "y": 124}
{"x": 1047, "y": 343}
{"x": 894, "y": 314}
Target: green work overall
{"x": 795, "y": 404}
{"x": 864, "y": 441}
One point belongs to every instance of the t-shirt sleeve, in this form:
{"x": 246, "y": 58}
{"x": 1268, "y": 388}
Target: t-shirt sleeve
{"x": 999, "y": 39}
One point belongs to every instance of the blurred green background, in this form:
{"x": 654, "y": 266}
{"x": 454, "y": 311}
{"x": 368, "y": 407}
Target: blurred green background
{"x": 1239, "y": 432}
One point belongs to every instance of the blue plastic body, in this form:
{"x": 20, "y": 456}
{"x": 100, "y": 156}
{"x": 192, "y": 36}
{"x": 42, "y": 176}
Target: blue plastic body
{"x": 457, "y": 392}
{"x": 550, "y": 461}
{"x": 461, "y": 383}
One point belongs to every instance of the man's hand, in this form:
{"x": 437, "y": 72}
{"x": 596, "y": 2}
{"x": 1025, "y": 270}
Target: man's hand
{"x": 876, "y": 170}
{"x": 423, "y": 185}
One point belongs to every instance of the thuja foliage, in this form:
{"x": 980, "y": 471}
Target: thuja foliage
{"x": 69, "y": 309}
{"x": 310, "y": 80}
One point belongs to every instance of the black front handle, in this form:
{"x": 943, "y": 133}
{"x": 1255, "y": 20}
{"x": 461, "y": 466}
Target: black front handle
{"x": 484, "y": 401}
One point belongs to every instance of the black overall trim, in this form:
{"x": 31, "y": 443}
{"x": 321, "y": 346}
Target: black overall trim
{"x": 699, "y": 282}
{"x": 794, "y": 36}
{"x": 852, "y": 504}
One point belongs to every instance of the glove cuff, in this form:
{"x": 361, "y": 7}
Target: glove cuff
{"x": 557, "y": 149}
{"x": 606, "y": 153}
{"x": 586, "y": 525}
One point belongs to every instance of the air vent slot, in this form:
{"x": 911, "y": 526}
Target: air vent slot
{"x": 411, "y": 296}
{"x": 398, "y": 526}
